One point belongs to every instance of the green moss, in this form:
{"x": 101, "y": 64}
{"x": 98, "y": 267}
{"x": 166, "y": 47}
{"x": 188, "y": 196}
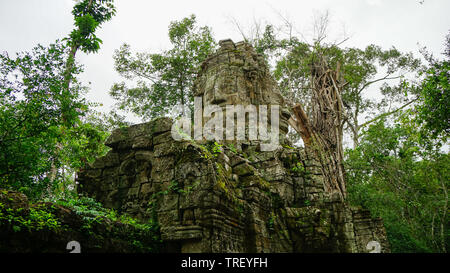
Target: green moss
{"x": 222, "y": 177}
{"x": 298, "y": 168}
{"x": 270, "y": 224}
{"x": 265, "y": 185}
{"x": 192, "y": 187}
{"x": 206, "y": 153}
{"x": 287, "y": 147}
{"x": 239, "y": 64}
{"x": 224, "y": 184}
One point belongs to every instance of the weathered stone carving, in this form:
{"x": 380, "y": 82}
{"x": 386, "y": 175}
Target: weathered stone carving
{"x": 227, "y": 197}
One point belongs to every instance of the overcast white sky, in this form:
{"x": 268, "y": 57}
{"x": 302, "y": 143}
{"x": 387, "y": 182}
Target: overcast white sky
{"x": 143, "y": 24}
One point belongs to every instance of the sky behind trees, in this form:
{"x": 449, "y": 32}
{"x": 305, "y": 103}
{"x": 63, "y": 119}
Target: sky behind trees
{"x": 144, "y": 24}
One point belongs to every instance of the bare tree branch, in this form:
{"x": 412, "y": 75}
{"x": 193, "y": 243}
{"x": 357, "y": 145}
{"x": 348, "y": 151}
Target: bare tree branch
{"x": 388, "y": 113}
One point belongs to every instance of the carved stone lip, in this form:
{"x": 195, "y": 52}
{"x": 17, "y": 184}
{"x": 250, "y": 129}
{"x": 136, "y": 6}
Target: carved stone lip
{"x": 176, "y": 233}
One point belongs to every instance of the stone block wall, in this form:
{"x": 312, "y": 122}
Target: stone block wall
{"x": 233, "y": 198}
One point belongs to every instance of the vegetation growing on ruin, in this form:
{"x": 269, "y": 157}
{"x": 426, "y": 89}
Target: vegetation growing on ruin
{"x": 396, "y": 164}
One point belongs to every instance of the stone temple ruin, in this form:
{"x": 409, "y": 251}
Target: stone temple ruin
{"x": 235, "y": 198}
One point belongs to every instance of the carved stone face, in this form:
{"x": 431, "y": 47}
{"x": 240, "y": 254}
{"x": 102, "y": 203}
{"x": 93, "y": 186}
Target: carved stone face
{"x": 221, "y": 88}
{"x": 237, "y": 75}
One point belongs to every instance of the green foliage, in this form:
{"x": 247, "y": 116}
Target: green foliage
{"x": 299, "y": 168}
{"x": 94, "y": 213}
{"x": 44, "y": 135}
{"x": 30, "y": 111}
{"x": 86, "y": 27}
{"x": 359, "y": 70}
{"x": 106, "y": 122}
{"x": 163, "y": 79}
{"x": 217, "y": 149}
{"x": 37, "y": 218}
{"x": 214, "y": 148}
{"x": 232, "y": 148}
{"x": 267, "y": 43}
{"x": 287, "y": 147}
{"x": 270, "y": 224}
{"x": 88, "y": 15}
{"x": 394, "y": 173}
{"x": 145, "y": 236}
{"x": 34, "y": 139}
{"x": 434, "y": 109}
{"x": 400, "y": 170}
{"x": 175, "y": 187}
{"x": 83, "y": 144}
{"x": 91, "y": 209}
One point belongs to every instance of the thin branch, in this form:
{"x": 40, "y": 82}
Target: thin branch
{"x": 377, "y": 80}
{"x": 238, "y": 26}
{"x": 388, "y": 113}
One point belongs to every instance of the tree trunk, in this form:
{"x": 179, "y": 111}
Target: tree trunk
{"x": 444, "y": 217}
{"x": 65, "y": 92}
{"x": 322, "y": 132}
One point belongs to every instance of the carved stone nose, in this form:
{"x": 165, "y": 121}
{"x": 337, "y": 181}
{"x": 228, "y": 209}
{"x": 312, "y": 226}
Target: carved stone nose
{"x": 218, "y": 97}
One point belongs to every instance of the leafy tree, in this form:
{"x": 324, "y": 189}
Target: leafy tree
{"x": 403, "y": 178}
{"x": 397, "y": 170}
{"x": 88, "y": 16}
{"x": 164, "y": 79}
{"x": 434, "y": 106}
{"x": 359, "y": 70}
{"x": 30, "y": 114}
{"x": 42, "y": 109}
